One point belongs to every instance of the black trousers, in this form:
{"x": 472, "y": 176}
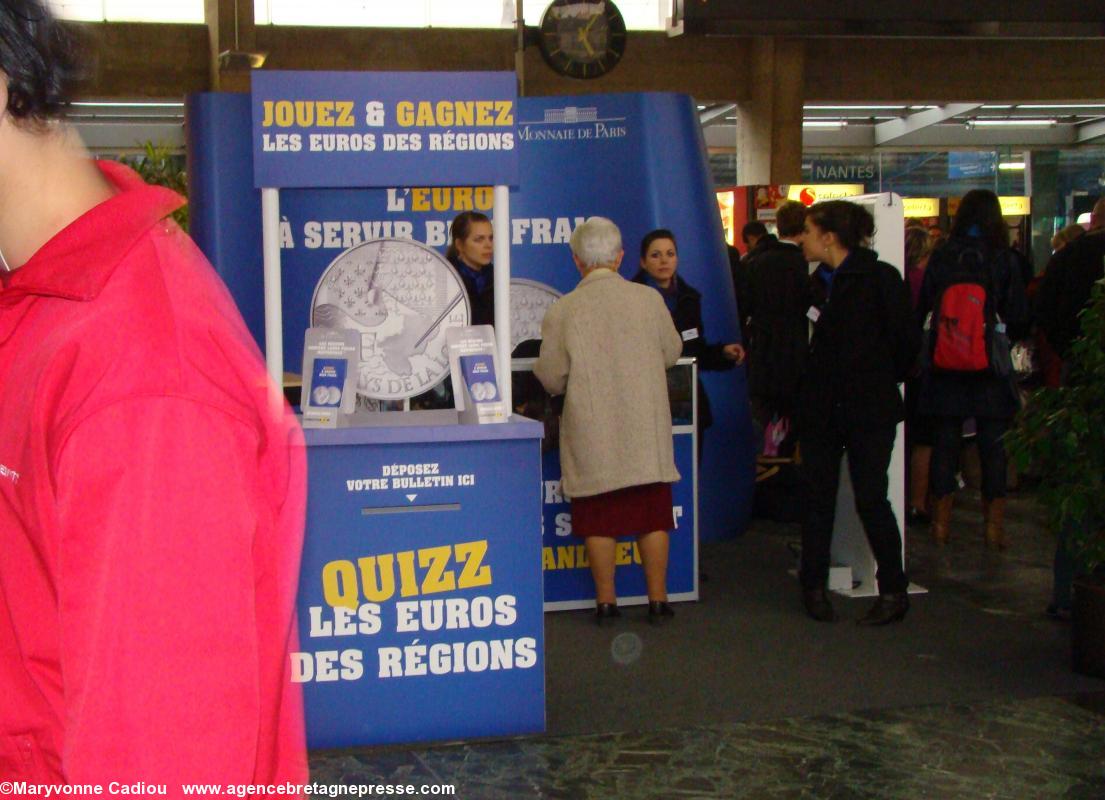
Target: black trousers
{"x": 869, "y": 447}
{"x": 991, "y": 454}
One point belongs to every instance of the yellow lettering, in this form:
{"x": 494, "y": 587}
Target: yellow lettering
{"x": 304, "y": 113}
{"x": 325, "y": 114}
{"x": 404, "y": 113}
{"x": 438, "y": 578}
{"x": 565, "y": 557}
{"x": 339, "y": 584}
{"x": 506, "y": 117}
{"x": 420, "y": 199}
{"x": 425, "y": 118}
{"x": 442, "y": 199}
{"x": 266, "y": 119}
{"x": 624, "y": 554}
{"x": 462, "y": 198}
{"x": 483, "y": 113}
{"x": 284, "y": 114}
{"x": 445, "y": 113}
{"x": 475, "y": 572}
{"x": 345, "y": 113}
{"x": 408, "y": 583}
{"x": 377, "y": 577}
{"x": 548, "y": 561}
{"x": 466, "y": 113}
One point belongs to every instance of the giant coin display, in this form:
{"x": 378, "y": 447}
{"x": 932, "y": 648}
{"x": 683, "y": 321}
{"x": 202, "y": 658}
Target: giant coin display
{"x": 401, "y": 296}
{"x": 529, "y": 300}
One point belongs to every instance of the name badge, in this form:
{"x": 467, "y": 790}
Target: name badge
{"x": 814, "y": 314}
{"x": 690, "y": 333}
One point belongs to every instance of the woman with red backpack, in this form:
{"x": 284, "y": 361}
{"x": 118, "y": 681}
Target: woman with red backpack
{"x": 972, "y": 305}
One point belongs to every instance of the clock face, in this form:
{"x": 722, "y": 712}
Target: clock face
{"x": 582, "y": 39}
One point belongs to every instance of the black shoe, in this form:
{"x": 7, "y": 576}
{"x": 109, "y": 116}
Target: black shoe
{"x": 605, "y": 612}
{"x": 659, "y": 612}
{"x": 1057, "y": 612}
{"x": 888, "y": 608}
{"x": 916, "y": 517}
{"x": 817, "y": 604}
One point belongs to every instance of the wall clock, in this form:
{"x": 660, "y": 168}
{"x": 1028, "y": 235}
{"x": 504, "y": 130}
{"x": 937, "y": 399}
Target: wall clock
{"x": 582, "y": 39}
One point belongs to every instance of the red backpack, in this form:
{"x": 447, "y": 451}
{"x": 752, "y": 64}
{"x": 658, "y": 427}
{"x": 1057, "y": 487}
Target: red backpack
{"x": 963, "y": 319}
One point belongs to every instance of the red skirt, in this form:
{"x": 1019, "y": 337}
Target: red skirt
{"x": 624, "y": 512}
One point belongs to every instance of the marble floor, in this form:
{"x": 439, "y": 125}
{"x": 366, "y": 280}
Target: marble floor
{"x": 1017, "y": 747}
{"x": 1046, "y": 747}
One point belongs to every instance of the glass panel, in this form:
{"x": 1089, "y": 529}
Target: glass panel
{"x": 352, "y": 13}
{"x": 129, "y": 10}
{"x": 638, "y": 14}
{"x": 472, "y": 14}
{"x": 78, "y": 9}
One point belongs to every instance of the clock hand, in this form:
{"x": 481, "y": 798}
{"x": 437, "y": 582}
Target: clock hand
{"x": 582, "y": 35}
{"x": 594, "y": 19}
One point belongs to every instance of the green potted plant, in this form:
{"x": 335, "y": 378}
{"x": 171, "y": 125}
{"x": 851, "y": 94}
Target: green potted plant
{"x": 1061, "y": 435}
{"x": 157, "y": 164}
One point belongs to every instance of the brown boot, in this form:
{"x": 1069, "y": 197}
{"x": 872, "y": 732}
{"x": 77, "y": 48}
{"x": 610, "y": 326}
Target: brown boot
{"x": 920, "y": 459}
{"x": 941, "y": 518}
{"x": 993, "y": 511}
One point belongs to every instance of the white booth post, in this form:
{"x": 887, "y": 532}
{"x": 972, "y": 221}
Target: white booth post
{"x": 500, "y": 229}
{"x": 274, "y": 310}
{"x": 853, "y": 570}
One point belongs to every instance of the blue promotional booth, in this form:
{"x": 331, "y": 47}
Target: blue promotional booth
{"x": 424, "y": 574}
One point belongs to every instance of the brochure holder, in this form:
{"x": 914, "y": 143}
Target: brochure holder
{"x": 331, "y": 362}
{"x": 474, "y": 365}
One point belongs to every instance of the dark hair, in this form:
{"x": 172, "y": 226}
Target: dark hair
{"x": 39, "y": 57}
{"x": 918, "y": 244}
{"x": 979, "y": 215}
{"x": 753, "y": 228}
{"x": 790, "y": 218}
{"x": 461, "y": 227}
{"x": 851, "y": 222}
{"x": 652, "y": 236}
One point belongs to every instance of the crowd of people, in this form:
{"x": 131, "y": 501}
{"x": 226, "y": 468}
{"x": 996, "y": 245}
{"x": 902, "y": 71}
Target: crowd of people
{"x": 827, "y": 351}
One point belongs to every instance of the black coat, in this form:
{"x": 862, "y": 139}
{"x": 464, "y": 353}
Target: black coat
{"x": 963, "y": 394}
{"x": 687, "y": 316}
{"x": 864, "y": 344}
{"x": 774, "y": 323}
{"x": 1066, "y": 287}
{"x": 482, "y": 303}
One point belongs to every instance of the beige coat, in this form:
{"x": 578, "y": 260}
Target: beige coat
{"x": 606, "y": 346}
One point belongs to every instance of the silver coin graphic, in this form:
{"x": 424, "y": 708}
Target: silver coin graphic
{"x": 529, "y": 300}
{"x": 401, "y": 296}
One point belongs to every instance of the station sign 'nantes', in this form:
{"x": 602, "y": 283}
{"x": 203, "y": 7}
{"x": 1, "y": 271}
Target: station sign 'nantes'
{"x": 362, "y": 129}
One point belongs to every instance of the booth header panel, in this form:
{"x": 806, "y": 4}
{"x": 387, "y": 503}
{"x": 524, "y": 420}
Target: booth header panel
{"x": 361, "y": 129}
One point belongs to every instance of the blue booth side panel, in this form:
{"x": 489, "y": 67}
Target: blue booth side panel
{"x": 420, "y": 613}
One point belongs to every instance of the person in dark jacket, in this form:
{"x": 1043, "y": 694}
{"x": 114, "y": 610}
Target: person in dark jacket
{"x": 659, "y": 262}
{"x": 1063, "y": 294}
{"x": 470, "y": 251}
{"x": 864, "y": 344}
{"x": 979, "y": 244}
{"x": 773, "y": 317}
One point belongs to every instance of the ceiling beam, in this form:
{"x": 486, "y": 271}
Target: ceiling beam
{"x": 715, "y": 114}
{"x": 1090, "y": 132}
{"x": 887, "y": 132}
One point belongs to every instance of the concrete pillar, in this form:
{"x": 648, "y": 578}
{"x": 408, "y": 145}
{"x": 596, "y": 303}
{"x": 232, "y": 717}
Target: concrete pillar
{"x": 1048, "y": 207}
{"x": 769, "y": 125}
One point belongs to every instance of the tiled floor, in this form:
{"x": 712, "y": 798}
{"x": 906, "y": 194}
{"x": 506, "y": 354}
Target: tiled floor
{"x": 1028, "y": 747}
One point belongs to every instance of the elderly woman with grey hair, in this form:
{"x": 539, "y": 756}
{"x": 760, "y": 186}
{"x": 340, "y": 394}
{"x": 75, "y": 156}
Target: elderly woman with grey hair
{"x": 606, "y": 347}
